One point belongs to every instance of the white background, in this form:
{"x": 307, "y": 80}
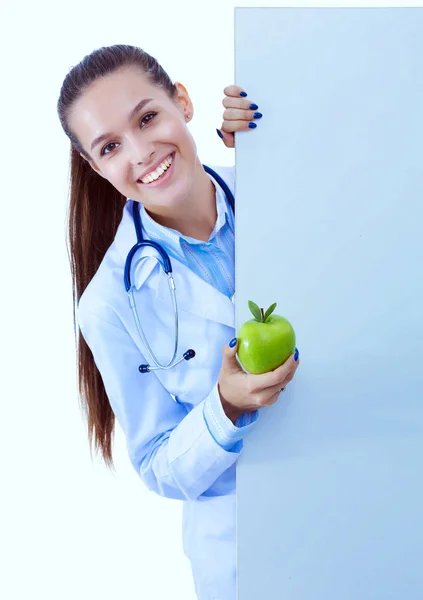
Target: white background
{"x": 70, "y": 528}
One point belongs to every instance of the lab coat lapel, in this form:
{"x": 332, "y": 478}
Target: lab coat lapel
{"x": 200, "y": 298}
{"x": 193, "y": 294}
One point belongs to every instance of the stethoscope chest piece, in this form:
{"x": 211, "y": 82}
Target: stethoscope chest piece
{"x": 187, "y": 356}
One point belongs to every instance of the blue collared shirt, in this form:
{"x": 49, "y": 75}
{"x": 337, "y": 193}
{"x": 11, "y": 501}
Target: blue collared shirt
{"x": 213, "y": 261}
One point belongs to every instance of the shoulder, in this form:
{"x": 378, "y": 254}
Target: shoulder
{"x": 227, "y": 174}
{"x": 105, "y": 292}
{"x": 229, "y": 171}
{"x": 105, "y": 295}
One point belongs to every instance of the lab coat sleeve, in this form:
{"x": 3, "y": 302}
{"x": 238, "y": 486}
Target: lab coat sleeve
{"x": 174, "y": 453}
{"x": 227, "y": 434}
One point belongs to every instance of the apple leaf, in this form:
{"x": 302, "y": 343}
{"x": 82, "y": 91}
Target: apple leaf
{"x": 269, "y": 311}
{"x": 255, "y": 310}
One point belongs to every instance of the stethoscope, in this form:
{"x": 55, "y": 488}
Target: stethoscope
{"x": 167, "y": 267}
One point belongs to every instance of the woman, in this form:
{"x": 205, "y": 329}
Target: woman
{"x": 132, "y": 153}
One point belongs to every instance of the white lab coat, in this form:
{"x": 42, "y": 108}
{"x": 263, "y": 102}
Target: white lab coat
{"x": 168, "y": 441}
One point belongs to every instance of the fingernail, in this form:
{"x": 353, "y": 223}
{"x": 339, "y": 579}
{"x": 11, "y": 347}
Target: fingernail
{"x": 252, "y": 125}
{"x": 243, "y": 94}
{"x": 219, "y": 133}
{"x": 257, "y": 115}
{"x": 253, "y": 106}
{"x": 232, "y": 343}
{"x": 296, "y": 355}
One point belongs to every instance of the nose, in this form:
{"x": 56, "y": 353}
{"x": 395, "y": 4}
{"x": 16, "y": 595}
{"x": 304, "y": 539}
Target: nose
{"x": 139, "y": 150}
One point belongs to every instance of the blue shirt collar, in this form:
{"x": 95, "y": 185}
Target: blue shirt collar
{"x": 160, "y": 233}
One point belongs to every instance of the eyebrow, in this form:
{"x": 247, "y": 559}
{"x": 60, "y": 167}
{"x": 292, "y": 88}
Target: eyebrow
{"x": 131, "y": 115}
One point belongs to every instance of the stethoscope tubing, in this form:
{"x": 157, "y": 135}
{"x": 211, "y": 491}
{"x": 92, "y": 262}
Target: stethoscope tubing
{"x": 167, "y": 267}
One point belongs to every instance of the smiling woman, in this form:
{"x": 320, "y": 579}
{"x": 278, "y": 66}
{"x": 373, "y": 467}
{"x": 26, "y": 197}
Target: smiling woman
{"x": 131, "y": 126}
{"x": 135, "y": 174}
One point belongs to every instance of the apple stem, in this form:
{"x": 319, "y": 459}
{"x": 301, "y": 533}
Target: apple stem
{"x": 262, "y": 315}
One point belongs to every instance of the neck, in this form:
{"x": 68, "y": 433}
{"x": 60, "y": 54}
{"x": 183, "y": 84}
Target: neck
{"x": 196, "y": 216}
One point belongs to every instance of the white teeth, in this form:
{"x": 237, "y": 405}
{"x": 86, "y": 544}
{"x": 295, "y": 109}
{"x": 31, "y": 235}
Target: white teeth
{"x": 162, "y": 168}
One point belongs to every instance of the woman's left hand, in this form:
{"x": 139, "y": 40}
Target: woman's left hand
{"x": 240, "y": 114}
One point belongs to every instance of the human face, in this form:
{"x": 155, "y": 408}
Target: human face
{"x": 137, "y": 143}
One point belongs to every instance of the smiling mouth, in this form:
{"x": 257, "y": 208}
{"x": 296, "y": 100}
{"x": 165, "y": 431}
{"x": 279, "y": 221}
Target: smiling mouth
{"x": 159, "y": 172}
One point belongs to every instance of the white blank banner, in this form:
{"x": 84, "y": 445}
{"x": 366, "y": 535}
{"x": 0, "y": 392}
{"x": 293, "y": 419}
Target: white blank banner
{"x": 329, "y": 192}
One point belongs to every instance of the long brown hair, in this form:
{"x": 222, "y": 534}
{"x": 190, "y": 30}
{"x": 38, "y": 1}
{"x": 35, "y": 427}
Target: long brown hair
{"x": 94, "y": 213}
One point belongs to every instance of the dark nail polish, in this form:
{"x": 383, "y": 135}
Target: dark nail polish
{"x": 257, "y": 115}
{"x": 252, "y": 125}
{"x": 219, "y": 133}
{"x": 242, "y": 94}
{"x": 253, "y": 106}
{"x": 232, "y": 343}
{"x": 296, "y": 355}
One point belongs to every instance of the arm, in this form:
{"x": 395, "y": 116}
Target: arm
{"x": 176, "y": 454}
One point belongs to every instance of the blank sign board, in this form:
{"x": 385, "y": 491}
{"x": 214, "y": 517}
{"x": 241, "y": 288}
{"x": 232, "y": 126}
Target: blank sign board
{"x": 329, "y": 192}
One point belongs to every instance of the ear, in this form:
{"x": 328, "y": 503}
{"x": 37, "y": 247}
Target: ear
{"x": 184, "y": 101}
{"x": 92, "y": 165}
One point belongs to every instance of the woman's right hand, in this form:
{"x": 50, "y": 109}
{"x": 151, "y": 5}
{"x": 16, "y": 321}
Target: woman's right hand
{"x": 242, "y": 392}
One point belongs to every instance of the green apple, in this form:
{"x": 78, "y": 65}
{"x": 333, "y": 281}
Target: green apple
{"x": 266, "y": 341}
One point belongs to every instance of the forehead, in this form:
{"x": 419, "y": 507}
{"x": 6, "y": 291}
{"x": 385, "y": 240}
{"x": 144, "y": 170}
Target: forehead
{"x": 105, "y": 105}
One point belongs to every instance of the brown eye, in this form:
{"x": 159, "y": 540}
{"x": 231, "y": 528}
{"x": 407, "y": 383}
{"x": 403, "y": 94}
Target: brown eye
{"x": 150, "y": 114}
{"x": 103, "y": 149}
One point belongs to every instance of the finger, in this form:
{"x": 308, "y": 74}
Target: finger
{"x": 285, "y": 382}
{"x": 232, "y": 126}
{"x": 227, "y": 138}
{"x": 290, "y": 376}
{"x": 230, "y": 362}
{"x": 272, "y": 393}
{"x": 236, "y": 114}
{"x": 273, "y": 398}
{"x": 277, "y": 389}
{"x": 239, "y": 103}
{"x": 276, "y": 377}
{"x": 233, "y": 90}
